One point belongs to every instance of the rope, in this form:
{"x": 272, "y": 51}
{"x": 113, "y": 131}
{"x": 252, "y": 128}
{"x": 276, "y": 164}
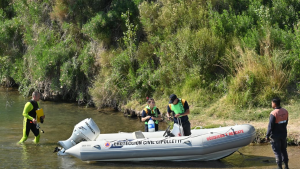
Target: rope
{"x": 186, "y": 137}
{"x": 207, "y": 133}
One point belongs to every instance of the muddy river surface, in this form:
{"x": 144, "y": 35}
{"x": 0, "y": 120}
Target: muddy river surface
{"x": 59, "y": 124}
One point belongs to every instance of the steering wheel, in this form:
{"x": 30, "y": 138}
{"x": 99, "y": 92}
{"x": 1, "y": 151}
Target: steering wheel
{"x": 167, "y": 131}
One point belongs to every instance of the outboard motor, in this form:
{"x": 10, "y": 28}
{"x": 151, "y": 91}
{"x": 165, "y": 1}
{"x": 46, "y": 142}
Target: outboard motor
{"x": 86, "y": 130}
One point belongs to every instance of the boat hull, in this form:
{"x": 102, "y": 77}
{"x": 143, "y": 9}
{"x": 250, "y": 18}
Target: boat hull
{"x": 203, "y": 145}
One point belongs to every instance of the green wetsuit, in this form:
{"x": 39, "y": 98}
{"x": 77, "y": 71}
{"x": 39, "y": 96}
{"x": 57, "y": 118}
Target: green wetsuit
{"x": 29, "y": 114}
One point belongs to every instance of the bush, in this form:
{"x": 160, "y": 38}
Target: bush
{"x": 107, "y": 26}
{"x": 256, "y": 79}
{"x": 196, "y": 51}
{"x": 244, "y": 51}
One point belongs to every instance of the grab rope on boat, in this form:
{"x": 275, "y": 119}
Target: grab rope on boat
{"x": 188, "y": 137}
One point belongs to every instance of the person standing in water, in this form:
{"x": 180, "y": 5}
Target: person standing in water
{"x": 29, "y": 122}
{"x": 151, "y": 111}
{"x": 277, "y": 130}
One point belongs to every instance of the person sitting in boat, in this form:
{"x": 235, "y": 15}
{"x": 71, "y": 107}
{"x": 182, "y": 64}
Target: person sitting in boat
{"x": 151, "y": 111}
{"x": 180, "y": 110}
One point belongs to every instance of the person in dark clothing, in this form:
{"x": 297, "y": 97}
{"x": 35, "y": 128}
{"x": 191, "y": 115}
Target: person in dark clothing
{"x": 151, "y": 111}
{"x": 277, "y": 131}
{"x": 180, "y": 109}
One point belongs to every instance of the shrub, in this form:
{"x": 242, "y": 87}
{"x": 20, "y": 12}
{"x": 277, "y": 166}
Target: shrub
{"x": 107, "y": 26}
{"x": 256, "y": 79}
{"x": 189, "y": 50}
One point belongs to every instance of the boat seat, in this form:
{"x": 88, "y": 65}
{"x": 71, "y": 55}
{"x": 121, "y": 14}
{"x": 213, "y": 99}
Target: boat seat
{"x": 138, "y": 135}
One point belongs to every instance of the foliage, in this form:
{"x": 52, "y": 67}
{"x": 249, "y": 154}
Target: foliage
{"x": 109, "y": 25}
{"x": 256, "y": 78}
{"x": 112, "y": 52}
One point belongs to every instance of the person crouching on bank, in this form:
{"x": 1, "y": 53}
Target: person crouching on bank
{"x": 151, "y": 111}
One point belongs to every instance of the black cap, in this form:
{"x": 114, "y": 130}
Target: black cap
{"x": 172, "y": 98}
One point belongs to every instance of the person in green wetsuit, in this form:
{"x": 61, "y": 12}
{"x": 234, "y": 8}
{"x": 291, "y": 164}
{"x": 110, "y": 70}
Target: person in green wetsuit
{"x": 29, "y": 122}
{"x": 151, "y": 111}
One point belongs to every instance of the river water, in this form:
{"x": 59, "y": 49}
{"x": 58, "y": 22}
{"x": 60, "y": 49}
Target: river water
{"x": 60, "y": 121}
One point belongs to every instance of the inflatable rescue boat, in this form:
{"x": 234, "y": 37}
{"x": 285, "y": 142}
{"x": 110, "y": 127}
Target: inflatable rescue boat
{"x": 87, "y": 144}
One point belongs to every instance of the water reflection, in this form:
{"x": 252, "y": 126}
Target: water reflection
{"x": 24, "y": 156}
{"x": 239, "y": 159}
{"x": 67, "y": 162}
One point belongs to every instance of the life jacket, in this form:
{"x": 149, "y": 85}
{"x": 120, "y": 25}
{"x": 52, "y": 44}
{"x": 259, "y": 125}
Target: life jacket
{"x": 178, "y": 108}
{"x": 152, "y": 113}
{"x": 32, "y": 113}
{"x": 279, "y": 129}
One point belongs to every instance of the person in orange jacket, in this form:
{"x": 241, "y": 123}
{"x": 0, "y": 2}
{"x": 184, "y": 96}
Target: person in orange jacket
{"x": 277, "y": 131}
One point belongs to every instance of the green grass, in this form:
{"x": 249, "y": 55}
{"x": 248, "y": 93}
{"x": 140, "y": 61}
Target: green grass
{"x": 222, "y": 111}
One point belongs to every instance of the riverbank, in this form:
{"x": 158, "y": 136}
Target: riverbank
{"x": 30, "y": 155}
{"x": 224, "y": 114}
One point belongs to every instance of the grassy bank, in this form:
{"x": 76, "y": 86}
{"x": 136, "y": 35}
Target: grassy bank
{"x": 220, "y": 113}
{"x": 111, "y": 52}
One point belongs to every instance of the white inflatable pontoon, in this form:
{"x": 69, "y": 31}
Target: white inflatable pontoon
{"x": 87, "y": 144}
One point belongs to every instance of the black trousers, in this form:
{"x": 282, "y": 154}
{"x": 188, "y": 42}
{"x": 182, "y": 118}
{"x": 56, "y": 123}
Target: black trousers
{"x": 186, "y": 128}
{"x": 279, "y": 148}
{"x": 31, "y": 126}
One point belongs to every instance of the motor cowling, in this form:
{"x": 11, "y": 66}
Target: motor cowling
{"x": 86, "y": 130}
